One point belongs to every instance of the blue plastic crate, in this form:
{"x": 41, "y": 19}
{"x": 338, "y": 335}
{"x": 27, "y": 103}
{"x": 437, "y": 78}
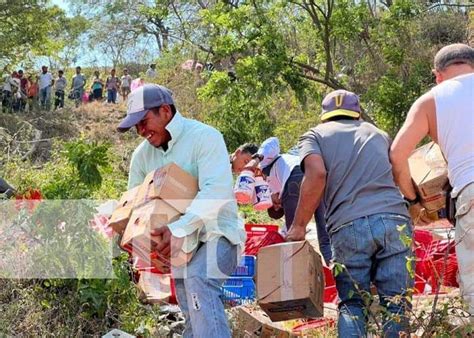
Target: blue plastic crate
{"x": 246, "y": 267}
{"x": 238, "y": 290}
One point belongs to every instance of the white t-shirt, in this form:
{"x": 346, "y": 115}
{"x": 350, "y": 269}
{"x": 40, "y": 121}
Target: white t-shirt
{"x": 150, "y": 72}
{"x": 280, "y": 172}
{"x": 455, "y": 121}
{"x": 7, "y": 83}
{"x": 281, "y": 169}
{"x": 126, "y": 80}
{"x": 45, "y": 80}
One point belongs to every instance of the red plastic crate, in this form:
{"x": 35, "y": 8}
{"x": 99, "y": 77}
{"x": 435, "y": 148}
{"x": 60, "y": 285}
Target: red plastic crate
{"x": 260, "y": 229}
{"x": 261, "y": 235}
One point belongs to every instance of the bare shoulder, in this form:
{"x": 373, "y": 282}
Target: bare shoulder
{"x": 424, "y": 106}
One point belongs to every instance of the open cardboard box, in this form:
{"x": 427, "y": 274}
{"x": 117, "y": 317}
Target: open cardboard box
{"x": 121, "y": 215}
{"x": 154, "y": 288}
{"x": 143, "y": 220}
{"x": 429, "y": 172}
{"x": 294, "y": 287}
{"x": 251, "y": 322}
{"x": 170, "y": 184}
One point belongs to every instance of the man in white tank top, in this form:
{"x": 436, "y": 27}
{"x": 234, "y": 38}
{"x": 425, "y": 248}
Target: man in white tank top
{"x": 446, "y": 114}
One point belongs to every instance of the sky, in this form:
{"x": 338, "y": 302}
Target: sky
{"x": 61, "y": 4}
{"x": 87, "y": 57}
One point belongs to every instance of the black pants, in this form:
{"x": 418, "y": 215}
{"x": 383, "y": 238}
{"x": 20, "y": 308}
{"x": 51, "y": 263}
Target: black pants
{"x": 289, "y": 202}
{"x": 59, "y": 99}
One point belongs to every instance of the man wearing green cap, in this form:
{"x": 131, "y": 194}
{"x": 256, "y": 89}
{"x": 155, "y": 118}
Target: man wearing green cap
{"x": 345, "y": 162}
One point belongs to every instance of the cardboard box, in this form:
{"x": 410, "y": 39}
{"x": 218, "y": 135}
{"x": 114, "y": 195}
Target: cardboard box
{"x": 294, "y": 287}
{"x": 171, "y": 184}
{"x": 121, "y": 215}
{"x": 154, "y": 288}
{"x": 252, "y": 322}
{"x": 429, "y": 172}
{"x": 143, "y": 220}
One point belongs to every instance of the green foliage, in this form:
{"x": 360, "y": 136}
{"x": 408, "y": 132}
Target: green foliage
{"x": 71, "y": 307}
{"x": 29, "y": 28}
{"x": 74, "y": 172}
{"x": 87, "y": 158}
{"x": 238, "y": 117}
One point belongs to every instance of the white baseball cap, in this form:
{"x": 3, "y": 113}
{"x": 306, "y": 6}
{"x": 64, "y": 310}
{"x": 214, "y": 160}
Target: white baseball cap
{"x": 141, "y": 100}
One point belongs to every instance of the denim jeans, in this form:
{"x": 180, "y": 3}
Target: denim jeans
{"x": 77, "y": 94}
{"x": 289, "y": 201}
{"x": 45, "y": 97}
{"x": 111, "y": 95}
{"x": 97, "y": 94}
{"x": 372, "y": 250}
{"x": 198, "y": 288}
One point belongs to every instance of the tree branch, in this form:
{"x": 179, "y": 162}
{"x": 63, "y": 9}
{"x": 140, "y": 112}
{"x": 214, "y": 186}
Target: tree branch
{"x": 318, "y": 80}
{"x": 201, "y": 47}
{"x": 439, "y": 4}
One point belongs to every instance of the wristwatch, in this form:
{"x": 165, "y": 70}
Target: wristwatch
{"x": 414, "y": 201}
{"x": 259, "y": 156}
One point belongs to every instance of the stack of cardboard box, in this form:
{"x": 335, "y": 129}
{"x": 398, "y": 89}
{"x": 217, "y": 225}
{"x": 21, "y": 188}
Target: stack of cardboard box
{"x": 159, "y": 200}
{"x": 429, "y": 172}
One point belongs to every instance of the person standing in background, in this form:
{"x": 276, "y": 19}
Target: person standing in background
{"x": 112, "y": 84}
{"x": 77, "y": 86}
{"x": 151, "y": 72}
{"x": 46, "y": 82}
{"x": 59, "y": 88}
{"x": 126, "y": 82}
{"x": 97, "y": 86}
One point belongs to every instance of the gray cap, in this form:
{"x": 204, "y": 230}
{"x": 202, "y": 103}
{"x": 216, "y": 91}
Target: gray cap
{"x": 141, "y": 100}
{"x": 340, "y": 103}
{"x": 453, "y": 54}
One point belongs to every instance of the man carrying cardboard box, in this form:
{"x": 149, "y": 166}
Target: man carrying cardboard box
{"x": 284, "y": 177}
{"x": 345, "y": 161}
{"x": 212, "y": 216}
{"x": 446, "y": 114}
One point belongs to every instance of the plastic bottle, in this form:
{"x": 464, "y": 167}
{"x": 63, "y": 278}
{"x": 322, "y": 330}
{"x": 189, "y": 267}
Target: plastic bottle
{"x": 245, "y": 187}
{"x": 262, "y": 193}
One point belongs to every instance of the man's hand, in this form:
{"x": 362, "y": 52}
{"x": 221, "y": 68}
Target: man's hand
{"x": 167, "y": 243}
{"x": 296, "y": 233}
{"x": 276, "y": 201}
{"x": 418, "y": 215}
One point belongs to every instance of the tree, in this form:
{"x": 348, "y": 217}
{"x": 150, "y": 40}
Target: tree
{"x": 25, "y": 29}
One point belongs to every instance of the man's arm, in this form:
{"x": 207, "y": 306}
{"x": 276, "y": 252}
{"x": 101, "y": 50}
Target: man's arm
{"x": 415, "y": 128}
{"x": 311, "y": 191}
{"x": 215, "y": 186}
{"x": 136, "y": 174}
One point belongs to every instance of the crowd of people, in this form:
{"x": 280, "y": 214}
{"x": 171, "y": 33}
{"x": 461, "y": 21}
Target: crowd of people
{"x": 21, "y": 92}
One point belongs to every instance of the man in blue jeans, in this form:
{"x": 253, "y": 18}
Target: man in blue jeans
{"x": 210, "y": 227}
{"x": 346, "y": 164}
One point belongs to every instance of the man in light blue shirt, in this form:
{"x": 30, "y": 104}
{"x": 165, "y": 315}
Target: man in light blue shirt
{"x": 212, "y": 218}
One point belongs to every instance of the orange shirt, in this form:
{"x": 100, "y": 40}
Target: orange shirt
{"x": 33, "y": 90}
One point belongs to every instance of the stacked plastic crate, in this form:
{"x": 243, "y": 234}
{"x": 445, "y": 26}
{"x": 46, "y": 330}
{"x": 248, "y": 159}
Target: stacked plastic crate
{"x": 240, "y": 287}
